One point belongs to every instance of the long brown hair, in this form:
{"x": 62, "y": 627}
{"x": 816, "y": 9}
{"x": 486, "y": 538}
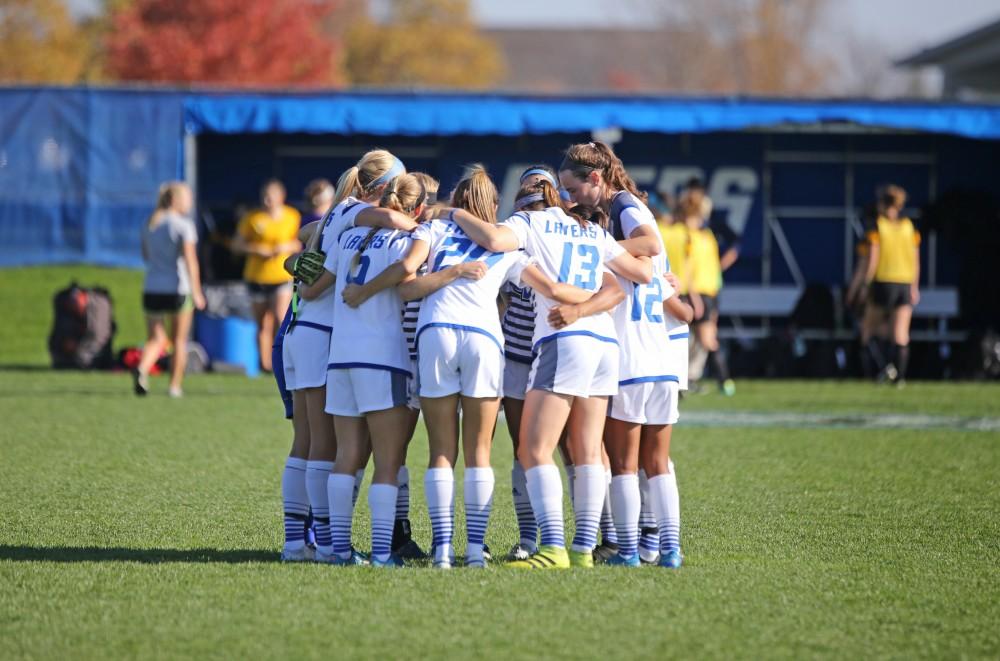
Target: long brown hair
{"x": 584, "y": 158}
{"x": 549, "y": 196}
{"x": 477, "y": 194}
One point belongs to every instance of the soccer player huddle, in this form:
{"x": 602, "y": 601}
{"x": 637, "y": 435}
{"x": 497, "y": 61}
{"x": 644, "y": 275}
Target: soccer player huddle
{"x": 565, "y": 314}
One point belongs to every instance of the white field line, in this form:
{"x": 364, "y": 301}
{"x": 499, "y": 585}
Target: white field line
{"x": 837, "y": 420}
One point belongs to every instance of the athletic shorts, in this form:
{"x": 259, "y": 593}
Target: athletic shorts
{"x": 890, "y": 295}
{"x": 413, "y": 387}
{"x": 515, "y": 378}
{"x": 304, "y": 356}
{"x": 354, "y": 391}
{"x": 711, "y": 305}
{"x": 260, "y": 293}
{"x": 154, "y": 304}
{"x": 278, "y": 364}
{"x": 649, "y": 403}
{"x": 577, "y": 365}
{"x": 455, "y": 360}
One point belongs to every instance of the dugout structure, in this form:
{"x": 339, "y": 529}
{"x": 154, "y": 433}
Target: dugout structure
{"x": 79, "y": 167}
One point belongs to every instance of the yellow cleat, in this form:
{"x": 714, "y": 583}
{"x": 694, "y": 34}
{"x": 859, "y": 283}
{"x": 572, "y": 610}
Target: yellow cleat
{"x": 581, "y": 559}
{"x": 546, "y": 557}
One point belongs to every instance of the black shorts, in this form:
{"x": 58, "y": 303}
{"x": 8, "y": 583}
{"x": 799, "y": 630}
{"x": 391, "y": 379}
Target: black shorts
{"x": 890, "y": 295}
{"x": 261, "y": 293}
{"x": 163, "y": 303}
{"x": 711, "y": 305}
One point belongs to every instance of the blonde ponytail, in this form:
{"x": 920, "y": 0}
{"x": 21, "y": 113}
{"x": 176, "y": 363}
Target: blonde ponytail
{"x": 477, "y": 194}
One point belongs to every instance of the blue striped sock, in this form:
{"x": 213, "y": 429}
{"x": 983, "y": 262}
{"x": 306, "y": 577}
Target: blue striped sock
{"x": 478, "y": 503}
{"x": 382, "y": 501}
{"x": 317, "y": 474}
{"x": 340, "y": 489}
{"x": 439, "y": 489}
{"x": 649, "y": 538}
{"x": 295, "y": 502}
{"x": 526, "y": 525}
{"x": 666, "y": 504}
{"x": 545, "y": 489}
{"x": 588, "y": 500}
{"x": 625, "y": 503}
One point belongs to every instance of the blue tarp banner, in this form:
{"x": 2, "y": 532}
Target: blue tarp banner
{"x": 80, "y": 167}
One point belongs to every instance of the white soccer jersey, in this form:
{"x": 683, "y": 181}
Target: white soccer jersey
{"x": 465, "y": 304}
{"x": 319, "y": 311}
{"x": 566, "y": 251}
{"x": 677, "y": 332}
{"x": 370, "y": 335}
{"x": 642, "y": 334}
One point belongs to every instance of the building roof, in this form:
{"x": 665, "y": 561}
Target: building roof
{"x": 985, "y": 38}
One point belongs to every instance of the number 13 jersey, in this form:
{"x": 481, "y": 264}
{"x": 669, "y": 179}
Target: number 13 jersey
{"x": 570, "y": 252}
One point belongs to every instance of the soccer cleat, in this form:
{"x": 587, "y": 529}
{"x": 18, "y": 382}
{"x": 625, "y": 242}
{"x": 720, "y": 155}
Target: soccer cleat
{"x": 392, "y": 561}
{"x": 355, "y": 559}
{"x": 518, "y": 552}
{"x": 487, "y": 555}
{"x": 140, "y": 383}
{"x": 581, "y": 559}
{"x": 728, "y": 387}
{"x": 175, "y": 392}
{"x": 605, "y": 551}
{"x": 304, "y": 554}
{"x": 443, "y": 558}
{"x": 410, "y": 550}
{"x": 671, "y": 559}
{"x": 478, "y": 563}
{"x": 650, "y": 559}
{"x": 546, "y": 557}
{"x": 619, "y": 560}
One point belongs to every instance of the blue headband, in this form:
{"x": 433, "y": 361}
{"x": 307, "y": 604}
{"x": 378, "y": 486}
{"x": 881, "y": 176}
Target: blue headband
{"x": 564, "y": 195}
{"x": 397, "y": 169}
{"x": 522, "y": 202}
{"x": 540, "y": 172}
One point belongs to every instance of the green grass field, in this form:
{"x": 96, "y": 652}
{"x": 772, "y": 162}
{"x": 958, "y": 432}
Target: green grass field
{"x": 151, "y": 528}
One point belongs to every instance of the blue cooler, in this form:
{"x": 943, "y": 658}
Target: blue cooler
{"x": 231, "y": 340}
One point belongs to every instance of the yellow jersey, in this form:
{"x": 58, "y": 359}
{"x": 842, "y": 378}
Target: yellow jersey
{"x": 897, "y": 258}
{"x": 707, "y": 277}
{"x": 261, "y": 229}
{"x": 678, "y": 246}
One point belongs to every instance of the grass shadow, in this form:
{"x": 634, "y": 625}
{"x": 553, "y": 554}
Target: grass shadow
{"x": 118, "y": 554}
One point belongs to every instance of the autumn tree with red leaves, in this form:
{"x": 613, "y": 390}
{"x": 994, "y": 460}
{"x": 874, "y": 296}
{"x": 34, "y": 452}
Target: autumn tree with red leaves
{"x": 235, "y": 42}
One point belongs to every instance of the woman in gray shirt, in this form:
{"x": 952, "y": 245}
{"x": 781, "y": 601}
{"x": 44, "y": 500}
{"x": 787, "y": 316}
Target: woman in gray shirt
{"x": 172, "y": 287}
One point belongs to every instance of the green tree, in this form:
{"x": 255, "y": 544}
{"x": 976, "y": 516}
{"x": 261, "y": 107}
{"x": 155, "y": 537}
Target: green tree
{"x": 40, "y": 43}
{"x": 425, "y": 43}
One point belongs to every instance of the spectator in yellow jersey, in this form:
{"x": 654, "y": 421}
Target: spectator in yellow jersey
{"x": 703, "y": 272}
{"x": 894, "y": 275}
{"x": 268, "y": 236}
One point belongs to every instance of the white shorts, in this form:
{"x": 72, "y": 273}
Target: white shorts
{"x": 413, "y": 388}
{"x": 354, "y": 391}
{"x": 455, "y": 360}
{"x": 647, "y": 403}
{"x": 577, "y": 365}
{"x": 515, "y": 378}
{"x": 305, "y": 352}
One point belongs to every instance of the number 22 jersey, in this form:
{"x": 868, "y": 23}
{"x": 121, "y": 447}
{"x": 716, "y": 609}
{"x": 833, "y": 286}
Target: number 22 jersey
{"x": 465, "y": 304}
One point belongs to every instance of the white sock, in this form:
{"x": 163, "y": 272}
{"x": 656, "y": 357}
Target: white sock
{"x": 359, "y": 477}
{"x": 439, "y": 489}
{"x": 295, "y": 502}
{"x": 382, "y": 502}
{"x": 340, "y": 491}
{"x": 649, "y": 538}
{"x": 667, "y": 507}
{"x": 608, "y": 533}
{"x": 403, "y": 494}
{"x": 545, "y": 490}
{"x": 625, "y": 506}
{"x": 588, "y": 499}
{"x": 571, "y": 481}
{"x": 526, "y": 525}
{"x": 317, "y": 474}
{"x": 478, "y": 503}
